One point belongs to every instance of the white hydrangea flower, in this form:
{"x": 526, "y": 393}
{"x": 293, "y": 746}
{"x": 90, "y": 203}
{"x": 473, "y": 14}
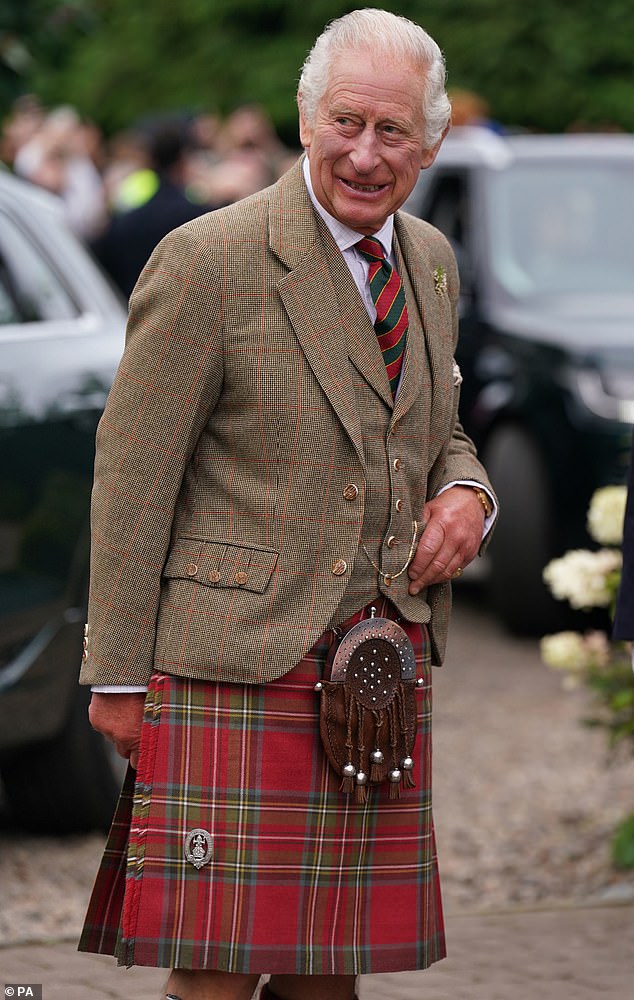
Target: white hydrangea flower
{"x": 564, "y": 651}
{"x": 581, "y": 577}
{"x": 606, "y": 513}
{"x": 575, "y": 653}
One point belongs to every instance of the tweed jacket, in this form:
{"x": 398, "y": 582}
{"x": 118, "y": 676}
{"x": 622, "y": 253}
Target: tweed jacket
{"x": 231, "y": 472}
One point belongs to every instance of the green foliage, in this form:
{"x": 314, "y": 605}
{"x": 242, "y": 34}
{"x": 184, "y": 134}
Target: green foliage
{"x": 613, "y": 688}
{"x": 623, "y": 843}
{"x": 542, "y": 65}
{"x": 36, "y": 38}
{"x": 602, "y": 664}
{"x": 589, "y": 579}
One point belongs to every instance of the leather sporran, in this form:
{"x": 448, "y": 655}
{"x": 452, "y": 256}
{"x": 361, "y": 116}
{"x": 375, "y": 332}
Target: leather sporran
{"x": 368, "y": 707}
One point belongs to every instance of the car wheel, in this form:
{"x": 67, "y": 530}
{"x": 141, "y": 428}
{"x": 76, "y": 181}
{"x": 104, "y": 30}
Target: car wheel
{"x": 522, "y": 543}
{"x": 69, "y": 784}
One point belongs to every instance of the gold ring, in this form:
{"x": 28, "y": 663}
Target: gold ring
{"x": 457, "y": 573}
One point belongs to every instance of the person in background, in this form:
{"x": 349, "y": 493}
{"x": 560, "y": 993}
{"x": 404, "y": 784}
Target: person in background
{"x": 128, "y": 177}
{"x": 24, "y": 120}
{"x": 158, "y": 192}
{"x": 471, "y": 109}
{"x": 59, "y": 157}
{"x": 280, "y": 468}
{"x": 245, "y": 156}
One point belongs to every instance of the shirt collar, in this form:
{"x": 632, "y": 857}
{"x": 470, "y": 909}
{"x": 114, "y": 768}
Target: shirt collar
{"x": 344, "y": 237}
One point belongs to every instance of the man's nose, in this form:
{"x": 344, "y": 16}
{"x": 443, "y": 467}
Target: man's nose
{"x": 364, "y": 155}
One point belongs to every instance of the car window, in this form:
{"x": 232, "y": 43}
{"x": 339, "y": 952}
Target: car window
{"x": 30, "y": 289}
{"x": 563, "y": 228}
{"x": 446, "y": 207}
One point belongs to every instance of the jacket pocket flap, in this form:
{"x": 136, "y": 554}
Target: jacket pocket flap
{"x": 221, "y": 564}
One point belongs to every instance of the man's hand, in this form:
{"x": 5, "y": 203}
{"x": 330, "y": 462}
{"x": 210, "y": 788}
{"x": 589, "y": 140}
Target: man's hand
{"x": 119, "y": 717}
{"x": 451, "y": 537}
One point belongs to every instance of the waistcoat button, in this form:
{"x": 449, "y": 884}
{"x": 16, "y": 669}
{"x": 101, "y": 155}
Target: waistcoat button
{"x": 397, "y": 463}
{"x": 399, "y": 505}
{"x": 391, "y": 542}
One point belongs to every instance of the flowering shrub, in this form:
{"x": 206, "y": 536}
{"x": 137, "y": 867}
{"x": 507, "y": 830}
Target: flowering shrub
{"x": 589, "y": 580}
{"x": 585, "y": 579}
{"x": 605, "y": 515}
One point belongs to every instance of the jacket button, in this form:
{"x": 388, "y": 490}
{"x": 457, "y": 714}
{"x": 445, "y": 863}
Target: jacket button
{"x": 213, "y": 576}
{"x": 340, "y": 567}
{"x": 241, "y": 578}
{"x": 399, "y": 505}
{"x": 191, "y": 569}
{"x": 391, "y": 542}
{"x": 351, "y": 492}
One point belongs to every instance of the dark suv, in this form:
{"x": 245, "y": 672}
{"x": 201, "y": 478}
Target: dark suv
{"x": 61, "y": 335}
{"x": 543, "y": 229}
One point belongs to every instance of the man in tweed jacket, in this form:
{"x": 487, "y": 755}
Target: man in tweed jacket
{"x": 256, "y": 482}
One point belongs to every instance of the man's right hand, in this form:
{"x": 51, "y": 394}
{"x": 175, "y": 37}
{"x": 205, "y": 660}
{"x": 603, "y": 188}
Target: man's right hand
{"x": 119, "y": 717}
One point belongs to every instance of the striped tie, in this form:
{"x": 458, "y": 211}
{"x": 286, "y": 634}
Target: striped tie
{"x": 391, "y": 311}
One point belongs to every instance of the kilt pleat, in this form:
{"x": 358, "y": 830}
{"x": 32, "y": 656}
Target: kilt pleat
{"x": 302, "y": 879}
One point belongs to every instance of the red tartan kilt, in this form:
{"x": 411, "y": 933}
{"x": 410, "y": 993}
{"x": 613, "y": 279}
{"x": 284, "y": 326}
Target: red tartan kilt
{"x": 303, "y": 880}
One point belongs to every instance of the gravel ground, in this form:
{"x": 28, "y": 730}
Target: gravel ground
{"x": 525, "y": 799}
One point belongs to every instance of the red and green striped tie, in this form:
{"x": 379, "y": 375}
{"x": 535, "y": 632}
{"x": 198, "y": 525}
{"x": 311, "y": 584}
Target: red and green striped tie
{"x": 391, "y": 311}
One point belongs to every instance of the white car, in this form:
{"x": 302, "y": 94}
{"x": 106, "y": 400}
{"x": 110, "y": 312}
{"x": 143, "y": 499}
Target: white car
{"x": 61, "y": 336}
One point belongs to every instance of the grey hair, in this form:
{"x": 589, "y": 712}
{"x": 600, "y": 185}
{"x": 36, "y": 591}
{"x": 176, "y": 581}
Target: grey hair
{"x": 392, "y": 36}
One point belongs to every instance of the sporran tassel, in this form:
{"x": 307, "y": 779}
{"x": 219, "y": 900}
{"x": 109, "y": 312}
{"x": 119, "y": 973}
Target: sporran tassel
{"x": 360, "y": 795}
{"x": 349, "y": 770}
{"x": 395, "y": 790}
{"x": 347, "y": 784}
{"x": 376, "y": 765}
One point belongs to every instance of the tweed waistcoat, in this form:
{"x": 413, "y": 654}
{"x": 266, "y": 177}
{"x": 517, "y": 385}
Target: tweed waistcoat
{"x": 251, "y": 395}
{"x": 394, "y": 488}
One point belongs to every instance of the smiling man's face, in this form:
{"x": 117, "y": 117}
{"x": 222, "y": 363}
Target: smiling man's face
{"x": 366, "y": 145}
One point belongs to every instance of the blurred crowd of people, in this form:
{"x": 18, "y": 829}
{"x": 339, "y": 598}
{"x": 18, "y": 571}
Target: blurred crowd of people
{"x": 123, "y": 194}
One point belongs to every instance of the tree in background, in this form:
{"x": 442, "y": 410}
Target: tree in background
{"x": 547, "y": 65}
{"x": 37, "y": 39}
{"x": 544, "y": 66}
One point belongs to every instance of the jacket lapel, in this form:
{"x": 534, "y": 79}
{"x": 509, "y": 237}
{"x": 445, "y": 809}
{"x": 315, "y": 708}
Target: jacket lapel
{"x": 416, "y": 365}
{"x": 429, "y": 350}
{"x": 309, "y": 296}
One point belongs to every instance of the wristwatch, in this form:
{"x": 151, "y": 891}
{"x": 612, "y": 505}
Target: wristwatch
{"x": 484, "y": 499}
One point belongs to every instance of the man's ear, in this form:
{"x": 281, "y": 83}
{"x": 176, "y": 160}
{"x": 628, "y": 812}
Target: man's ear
{"x": 429, "y": 155}
{"x": 305, "y": 131}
